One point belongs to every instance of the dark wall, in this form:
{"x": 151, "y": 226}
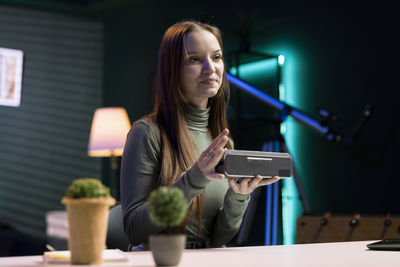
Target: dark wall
{"x": 348, "y": 60}
{"x": 43, "y": 142}
{"x": 344, "y": 59}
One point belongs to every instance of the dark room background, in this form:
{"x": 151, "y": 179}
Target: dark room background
{"x": 336, "y": 59}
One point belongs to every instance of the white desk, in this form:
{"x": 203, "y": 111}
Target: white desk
{"x": 324, "y": 254}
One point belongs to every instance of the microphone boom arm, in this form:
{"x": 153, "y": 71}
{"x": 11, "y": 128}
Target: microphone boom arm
{"x": 287, "y": 109}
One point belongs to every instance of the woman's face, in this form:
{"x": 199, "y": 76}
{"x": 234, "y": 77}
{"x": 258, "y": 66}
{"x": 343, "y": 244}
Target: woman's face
{"x": 203, "y": 67}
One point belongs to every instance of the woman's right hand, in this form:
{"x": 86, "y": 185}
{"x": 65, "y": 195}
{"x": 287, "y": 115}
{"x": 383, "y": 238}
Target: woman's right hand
{"x": 210, "y": 157}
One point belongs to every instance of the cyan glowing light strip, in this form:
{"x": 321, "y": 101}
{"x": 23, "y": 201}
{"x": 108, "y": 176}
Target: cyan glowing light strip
{"x": 271, "y": 203}
{"x": 292, "y": 202}
{"x": 255, "y": 68}
{"x": 268, "y": 204}
{"x": 291, "y": 210}
{"x": 298, "y": 115}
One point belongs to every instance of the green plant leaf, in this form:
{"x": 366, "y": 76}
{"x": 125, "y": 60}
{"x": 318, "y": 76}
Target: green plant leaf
{"x": 167, "y": 206}
{"x": 87, "y": 188}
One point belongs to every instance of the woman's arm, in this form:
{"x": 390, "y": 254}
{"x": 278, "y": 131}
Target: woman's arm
{"x": 140, "y": 171}
{"x": 140, "y": 168}
{"x": 229, "y": 218}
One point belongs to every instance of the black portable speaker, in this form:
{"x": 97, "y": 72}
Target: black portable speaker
{"x": 242, "y": 163}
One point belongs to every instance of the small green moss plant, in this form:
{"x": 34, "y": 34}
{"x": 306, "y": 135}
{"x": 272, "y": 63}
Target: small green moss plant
{"x": 87, "y": 188}
{"x": 167, "y": 206}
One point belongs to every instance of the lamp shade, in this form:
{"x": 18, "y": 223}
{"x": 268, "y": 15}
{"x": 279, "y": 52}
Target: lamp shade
{"x": 108, "y": 132}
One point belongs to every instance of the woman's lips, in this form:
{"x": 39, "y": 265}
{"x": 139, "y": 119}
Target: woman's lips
{"x": 209, "y": 81}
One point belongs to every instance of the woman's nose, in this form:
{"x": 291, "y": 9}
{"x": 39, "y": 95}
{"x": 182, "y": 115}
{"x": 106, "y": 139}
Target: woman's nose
{"x": 208, "y": 66}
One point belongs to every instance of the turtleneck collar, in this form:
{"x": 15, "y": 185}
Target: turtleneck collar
{"x": 197, "y": 119}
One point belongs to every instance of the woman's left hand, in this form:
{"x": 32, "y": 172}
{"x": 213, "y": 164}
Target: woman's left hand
{"x": 248, "y": 185}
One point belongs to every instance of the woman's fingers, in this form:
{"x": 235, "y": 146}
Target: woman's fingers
{"x": 210, "y": 157}
{"x": 254, "y": 183}
{"x": 208, "y": 161}
{"x": 269, "y": 181}
{"x": 216, "y": 157}
{"x": 219, "y": 141}
{"x": 241, "y": 187}
{"x": 235, "y": 186}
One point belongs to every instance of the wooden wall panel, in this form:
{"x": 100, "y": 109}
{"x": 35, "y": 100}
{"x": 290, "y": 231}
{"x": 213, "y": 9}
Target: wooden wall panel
{"x": 339, "y": 228}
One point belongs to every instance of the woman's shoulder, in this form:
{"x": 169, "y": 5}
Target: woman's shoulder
{"x": 144, "y": 138}
{"x": 148, "y": 126}
{"x": 147, "y": 121}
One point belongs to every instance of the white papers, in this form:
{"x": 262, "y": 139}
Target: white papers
{"x": 57, "y": 224}
{"x": 63, "y": 256}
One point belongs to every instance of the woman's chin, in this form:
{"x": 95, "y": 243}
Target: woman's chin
{"x": 210, "y": 92}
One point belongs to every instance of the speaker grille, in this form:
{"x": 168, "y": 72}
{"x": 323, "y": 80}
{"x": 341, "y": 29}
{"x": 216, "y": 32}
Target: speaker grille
{"x": 284, "y": 173}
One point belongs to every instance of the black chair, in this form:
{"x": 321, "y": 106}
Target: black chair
{"x": 116, "y": 238}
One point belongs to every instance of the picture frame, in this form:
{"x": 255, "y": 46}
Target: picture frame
{"x": 11, "y": 67}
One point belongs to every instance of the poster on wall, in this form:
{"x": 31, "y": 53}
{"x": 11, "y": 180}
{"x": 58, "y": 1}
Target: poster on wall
{"x": 10, "y": 76}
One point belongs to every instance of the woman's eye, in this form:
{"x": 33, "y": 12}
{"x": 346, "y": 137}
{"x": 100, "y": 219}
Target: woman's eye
{"x": 193, "y": 59}
{"x": 217, "y": 57}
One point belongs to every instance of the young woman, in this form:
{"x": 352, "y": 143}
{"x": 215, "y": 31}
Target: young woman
{"x": 182, "y": 141}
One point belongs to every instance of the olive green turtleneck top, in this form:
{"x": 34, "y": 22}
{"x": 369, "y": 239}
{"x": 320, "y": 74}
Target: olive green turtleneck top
{"x": 223, "y": 209}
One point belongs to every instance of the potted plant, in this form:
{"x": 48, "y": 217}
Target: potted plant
{"x": 167, "y": 208}
{"x": 87, "y": 201}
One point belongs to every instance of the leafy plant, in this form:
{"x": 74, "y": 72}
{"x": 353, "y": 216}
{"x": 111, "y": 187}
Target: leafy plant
{"x": 87, "y": 188}
{"x": 167, "y": 206}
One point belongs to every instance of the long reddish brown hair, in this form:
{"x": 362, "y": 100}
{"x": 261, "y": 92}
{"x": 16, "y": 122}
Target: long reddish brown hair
{"x": 179, "y": 152}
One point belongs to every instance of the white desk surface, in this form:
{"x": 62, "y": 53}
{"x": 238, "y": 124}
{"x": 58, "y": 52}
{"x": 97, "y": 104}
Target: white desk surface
{"x": 339, "y": 254}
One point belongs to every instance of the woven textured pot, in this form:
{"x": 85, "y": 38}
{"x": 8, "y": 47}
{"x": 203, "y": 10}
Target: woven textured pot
{"x": 87, "y": 223}
{"x": 167, "y": 249}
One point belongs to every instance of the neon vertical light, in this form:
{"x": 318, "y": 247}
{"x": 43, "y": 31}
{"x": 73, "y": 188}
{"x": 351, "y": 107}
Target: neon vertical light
{"x": 291, "y": 205}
